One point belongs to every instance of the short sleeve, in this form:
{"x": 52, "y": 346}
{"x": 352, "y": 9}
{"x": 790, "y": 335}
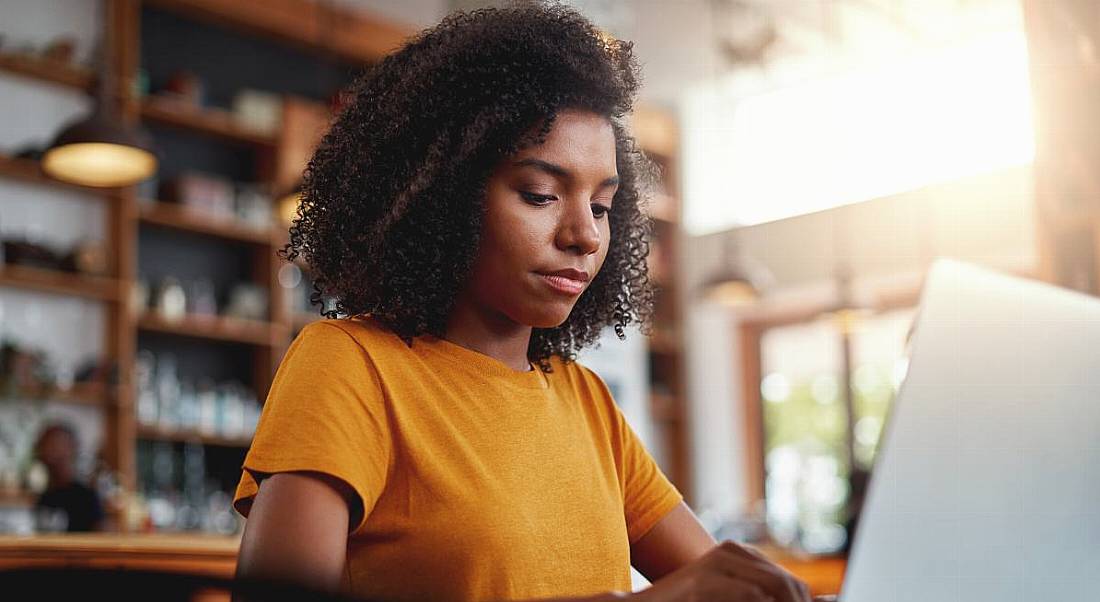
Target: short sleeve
{"x": 648, "y": 495}
{"x": 325, "y": 412}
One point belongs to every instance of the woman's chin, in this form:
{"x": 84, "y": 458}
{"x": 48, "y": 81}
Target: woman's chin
{"x": 548, "y": 319}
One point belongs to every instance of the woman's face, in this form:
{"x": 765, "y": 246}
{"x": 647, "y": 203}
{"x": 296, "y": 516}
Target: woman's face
{"x": 545, "y": 231}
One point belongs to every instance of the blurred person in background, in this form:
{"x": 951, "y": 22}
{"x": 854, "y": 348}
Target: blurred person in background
{"x": 476, "y": 210}
{"x": 65, "y": 498}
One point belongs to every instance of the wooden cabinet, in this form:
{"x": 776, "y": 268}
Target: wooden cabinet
{"x": 658, "y": 136}
{"x": 301, "y": 50}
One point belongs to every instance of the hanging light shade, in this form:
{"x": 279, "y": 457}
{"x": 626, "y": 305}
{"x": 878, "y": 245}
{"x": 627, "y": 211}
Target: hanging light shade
{"x": 100, "y": 151}
{"x": 736, "y": 286}
{"x": 740, "y": 281}
{"x": 847, "y": 313}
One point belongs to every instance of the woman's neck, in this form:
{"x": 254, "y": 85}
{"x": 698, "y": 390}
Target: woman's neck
{"x": 490, "y": 333}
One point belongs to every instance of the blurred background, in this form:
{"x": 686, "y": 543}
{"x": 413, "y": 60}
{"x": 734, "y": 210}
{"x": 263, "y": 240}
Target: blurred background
{"x": 816, "y": 155}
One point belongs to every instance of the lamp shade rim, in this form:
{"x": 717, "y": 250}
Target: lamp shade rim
{"x": 100, "y": 152}
{"x": 98, "y": 127}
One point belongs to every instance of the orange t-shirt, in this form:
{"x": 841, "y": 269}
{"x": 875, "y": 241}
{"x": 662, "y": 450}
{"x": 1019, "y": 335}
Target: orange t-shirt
{"x": 478, "y": 482}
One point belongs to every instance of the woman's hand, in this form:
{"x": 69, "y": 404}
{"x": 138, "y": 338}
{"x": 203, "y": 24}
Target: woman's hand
{"x": 727, "y": 573}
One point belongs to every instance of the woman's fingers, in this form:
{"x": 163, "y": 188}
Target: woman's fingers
{"x": 731, "y": 589}
{"x": 739, "y": 562}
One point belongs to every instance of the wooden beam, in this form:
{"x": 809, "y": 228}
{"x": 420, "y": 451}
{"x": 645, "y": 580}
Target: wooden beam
{"x": 120, "y": 338}
{"x": 1065, "y": 86}
{"x": 748, "y": 337}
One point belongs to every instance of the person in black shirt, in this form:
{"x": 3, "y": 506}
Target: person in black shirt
{"x": 56, "y": 449}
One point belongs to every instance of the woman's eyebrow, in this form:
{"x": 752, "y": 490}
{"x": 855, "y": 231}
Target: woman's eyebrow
{"x": 559, "y": 171}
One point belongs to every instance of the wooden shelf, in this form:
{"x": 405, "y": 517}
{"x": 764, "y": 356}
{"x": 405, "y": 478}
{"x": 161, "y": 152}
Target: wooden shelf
{"x": 179, "y": 217}
{"x": 47, "y": 70}
{"x": 30, "y": 171}
{"x": 218, "y": 123}
{"x": 191, "y": 436}
{"x": 86, "y": 394}
{"x": 302, "y": 23}
{"x": 16, "y": 499}
{"x": 61, "y": 283}
{"x": 216, "y": 328}
{"x": 26, "y": 170}
{"x": 89, "y": 394}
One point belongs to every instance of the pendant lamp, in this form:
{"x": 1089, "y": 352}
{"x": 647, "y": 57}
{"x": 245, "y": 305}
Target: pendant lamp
{"x": 101, "y": 150}
{"x": 740, "y": 280}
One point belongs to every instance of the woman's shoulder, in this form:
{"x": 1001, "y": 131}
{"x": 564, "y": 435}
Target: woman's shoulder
{"x": 574, "y": 368}
{"x": 361, "y": 340}
{"x": 367, "y": 332}
{"x": 585, "y": 380}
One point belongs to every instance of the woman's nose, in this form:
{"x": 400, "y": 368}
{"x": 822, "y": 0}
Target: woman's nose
{"x": 578, "y": 230}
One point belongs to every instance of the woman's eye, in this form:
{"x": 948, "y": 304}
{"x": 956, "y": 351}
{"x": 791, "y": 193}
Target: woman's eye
{"x": 600, "y": 210}
{"x": 536, "y": 199}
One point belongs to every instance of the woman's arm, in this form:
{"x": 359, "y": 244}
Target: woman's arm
{"x": 297, "y": 531}
{"x": 684, "y": 562}
{"x": 678, "y": 539}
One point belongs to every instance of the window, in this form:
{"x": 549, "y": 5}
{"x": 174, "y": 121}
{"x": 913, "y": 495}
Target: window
{"x": 802, "y": 138}
{"x": 805, "y": 424}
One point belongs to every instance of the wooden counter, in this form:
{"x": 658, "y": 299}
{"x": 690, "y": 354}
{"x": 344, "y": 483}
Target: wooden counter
{"x": 217, "y": 556}
{"x": 200, "y": 554}
{"x": 823, "y": 574}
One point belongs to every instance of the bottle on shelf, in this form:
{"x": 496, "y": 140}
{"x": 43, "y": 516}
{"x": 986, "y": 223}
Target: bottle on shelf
{"x": 207, "y": 398}
{"x": 168, "y": 393}
{"x": 144, "y": 372}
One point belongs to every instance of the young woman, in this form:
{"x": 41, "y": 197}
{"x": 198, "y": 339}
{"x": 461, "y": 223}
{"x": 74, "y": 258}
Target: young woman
{"x": 476, "y": 210}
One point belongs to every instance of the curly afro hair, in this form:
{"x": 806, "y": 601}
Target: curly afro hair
{"x": 392, "y": 199}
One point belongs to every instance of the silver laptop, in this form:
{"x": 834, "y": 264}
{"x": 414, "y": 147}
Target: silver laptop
{"x": 987, "y": 485}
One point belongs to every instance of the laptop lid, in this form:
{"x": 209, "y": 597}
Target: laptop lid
{"x": 987, "y": 483}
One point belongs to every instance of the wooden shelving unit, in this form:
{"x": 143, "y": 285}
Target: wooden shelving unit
{"x": 30, "y": 171}
{"x": 312, "y": 26}
{"x": 179, "y": 217}
{"x": 216, "y": 328}
{"x": 190, "y": 436}
{"x": 84, "y": 394}
{"x": 61, "y": 283}
{"x": 658, "y": 136}
{"x": 39, "y": 69}
{"x": 87, "y": 394}
{"x": 210, "y": 122}
{"x": 297, "y": 24}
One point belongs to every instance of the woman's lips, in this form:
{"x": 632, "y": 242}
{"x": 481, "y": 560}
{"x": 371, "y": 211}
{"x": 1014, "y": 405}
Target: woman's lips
{"x": 563, "y": 285}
